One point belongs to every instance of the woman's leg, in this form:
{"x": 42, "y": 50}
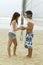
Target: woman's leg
{"x": 15, "y": 45}
{"x": 9, "y": 45}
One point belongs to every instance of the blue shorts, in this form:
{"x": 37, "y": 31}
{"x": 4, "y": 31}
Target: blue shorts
{"x": 28, "y": 40}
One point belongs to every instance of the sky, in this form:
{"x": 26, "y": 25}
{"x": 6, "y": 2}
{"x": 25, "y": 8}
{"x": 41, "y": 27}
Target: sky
{"x": 36, "y": 6}
{"x": 8, "y": 7}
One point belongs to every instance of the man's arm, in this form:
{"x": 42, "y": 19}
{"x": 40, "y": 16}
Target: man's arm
{"x": 23, "y": 28}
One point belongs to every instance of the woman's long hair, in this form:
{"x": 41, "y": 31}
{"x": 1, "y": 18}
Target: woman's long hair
{"x": 14, "y": 17}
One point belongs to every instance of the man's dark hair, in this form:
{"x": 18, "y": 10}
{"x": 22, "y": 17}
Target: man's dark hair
{"x": 29, "y": 12}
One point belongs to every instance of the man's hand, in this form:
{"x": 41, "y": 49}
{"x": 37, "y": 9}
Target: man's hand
{"x": 22, "y": 28}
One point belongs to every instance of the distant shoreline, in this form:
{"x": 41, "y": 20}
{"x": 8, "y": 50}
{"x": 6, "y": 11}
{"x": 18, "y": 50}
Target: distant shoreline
{"x": 5, "y": 23}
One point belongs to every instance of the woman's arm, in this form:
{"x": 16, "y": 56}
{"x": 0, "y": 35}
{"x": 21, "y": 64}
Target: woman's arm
{"x": 23, "y": 28}
{"x": 19, "y": 28}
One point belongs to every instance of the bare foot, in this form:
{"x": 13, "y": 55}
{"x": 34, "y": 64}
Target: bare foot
{"x": 9, "y": 56}
{"x": 14, "y": 55}
{"x": 28, "y": 56}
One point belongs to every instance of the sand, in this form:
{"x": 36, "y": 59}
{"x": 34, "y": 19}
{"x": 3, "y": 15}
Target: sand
{"x": 21, "y": 59}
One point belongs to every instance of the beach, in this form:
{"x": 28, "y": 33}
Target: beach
{"x": 21, "y": 59}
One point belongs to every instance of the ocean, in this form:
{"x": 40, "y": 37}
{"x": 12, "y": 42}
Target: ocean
{"x": 5, "y": 23}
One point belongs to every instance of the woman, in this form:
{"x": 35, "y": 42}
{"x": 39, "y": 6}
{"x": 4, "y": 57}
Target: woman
{"x": 12, "y": 31}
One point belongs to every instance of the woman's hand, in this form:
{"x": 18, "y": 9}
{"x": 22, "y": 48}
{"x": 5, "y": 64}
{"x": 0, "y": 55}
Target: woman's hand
{"x": 22, "y": 28}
